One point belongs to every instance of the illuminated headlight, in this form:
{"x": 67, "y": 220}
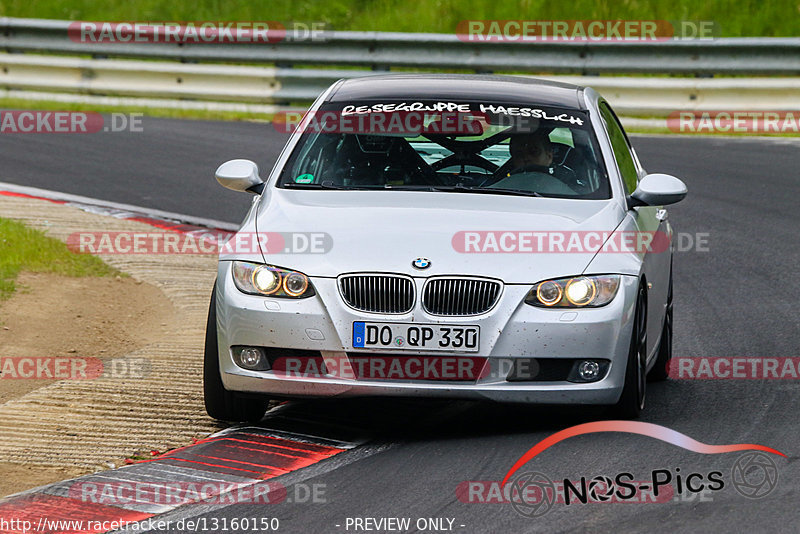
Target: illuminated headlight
{"x": 577, "y": 292}
{"x": 580, "y": 291}
{"x": 266, "y": 281}
{"x": 271, "y": 281}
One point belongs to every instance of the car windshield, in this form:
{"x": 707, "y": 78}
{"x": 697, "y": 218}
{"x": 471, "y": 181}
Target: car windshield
{"x": 464, "y": 147}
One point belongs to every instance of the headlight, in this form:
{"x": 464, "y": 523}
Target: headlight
{"x": 271, "y": 281}
{"x": 577, "y": 292}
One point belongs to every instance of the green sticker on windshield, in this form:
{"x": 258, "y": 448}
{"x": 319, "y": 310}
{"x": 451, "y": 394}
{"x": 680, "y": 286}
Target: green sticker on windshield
{"x": 304, "y": 179}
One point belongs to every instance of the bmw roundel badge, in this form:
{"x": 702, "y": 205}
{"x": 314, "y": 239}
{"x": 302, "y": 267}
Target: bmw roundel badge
{"x": 421, "y": 263}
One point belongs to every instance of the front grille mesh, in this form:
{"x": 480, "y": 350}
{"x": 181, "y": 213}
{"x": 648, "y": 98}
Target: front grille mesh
{"x": 378, "y": 293}
{"x": 460, "y": 296}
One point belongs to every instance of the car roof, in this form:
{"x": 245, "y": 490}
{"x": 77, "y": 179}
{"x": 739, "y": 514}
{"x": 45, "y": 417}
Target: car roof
{"x": 479, "y": 88}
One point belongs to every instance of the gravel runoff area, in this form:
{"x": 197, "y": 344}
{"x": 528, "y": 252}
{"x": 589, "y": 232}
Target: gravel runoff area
{"x": 87, "y": 424}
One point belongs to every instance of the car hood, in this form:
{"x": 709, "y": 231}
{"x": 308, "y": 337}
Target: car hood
{"x": 384, "y": 231}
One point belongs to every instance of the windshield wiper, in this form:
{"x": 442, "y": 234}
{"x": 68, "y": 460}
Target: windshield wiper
{"x": 411, "y": 187}
{"x": 324, "y": 185}
{"x": 431, "y": 188}
{"x": 488, "y": 190}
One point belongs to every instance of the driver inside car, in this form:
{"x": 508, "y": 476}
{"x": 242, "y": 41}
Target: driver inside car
{"x": 530, "y": 150}
{"x": 529, "y": 167}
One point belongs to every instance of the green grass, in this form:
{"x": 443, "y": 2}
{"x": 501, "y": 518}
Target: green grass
{"x": 48, "y": 105}
{"x": 732, "y": 18}
{"x": 735, "y": 18}
{"x": 666, "y": 131}
{"x": 26, "y": 249}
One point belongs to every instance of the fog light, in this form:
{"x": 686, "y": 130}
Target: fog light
{"x": 252, "y": 358}
{"x": 589, "y": 370}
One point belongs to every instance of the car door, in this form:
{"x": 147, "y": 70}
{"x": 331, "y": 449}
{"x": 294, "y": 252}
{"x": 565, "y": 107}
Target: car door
{"x": 650, "y": 220}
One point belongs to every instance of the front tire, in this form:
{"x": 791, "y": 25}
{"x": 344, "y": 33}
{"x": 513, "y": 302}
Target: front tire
{"x": 631, "y": 402}
{"x": 222, "y": 404}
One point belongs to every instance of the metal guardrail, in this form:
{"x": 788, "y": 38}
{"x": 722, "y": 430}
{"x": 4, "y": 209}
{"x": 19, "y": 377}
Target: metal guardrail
{"x": 630, "y": 96}
{"x": 187, "y": 78}
{"x": 385, "y": 50}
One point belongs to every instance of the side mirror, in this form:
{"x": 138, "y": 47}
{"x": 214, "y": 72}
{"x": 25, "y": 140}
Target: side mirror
{"x": 658, "y": 190}
{"x": 240, "y": 175}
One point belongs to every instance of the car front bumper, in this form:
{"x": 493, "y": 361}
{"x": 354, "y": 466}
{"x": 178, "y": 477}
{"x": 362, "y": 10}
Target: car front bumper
{"x": 511, "y": 330}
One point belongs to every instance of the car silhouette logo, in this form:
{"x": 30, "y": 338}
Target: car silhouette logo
{"x": 421, "y": 263}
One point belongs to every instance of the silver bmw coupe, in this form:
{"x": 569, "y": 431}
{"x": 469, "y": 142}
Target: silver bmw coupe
{"x": 474, "y": 237}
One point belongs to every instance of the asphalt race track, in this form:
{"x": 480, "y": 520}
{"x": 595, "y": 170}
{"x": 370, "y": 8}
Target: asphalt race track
{"x": 739, "y": 299}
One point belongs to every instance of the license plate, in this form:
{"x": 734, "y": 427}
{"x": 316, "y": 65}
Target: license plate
{"x": 404, "y": 336}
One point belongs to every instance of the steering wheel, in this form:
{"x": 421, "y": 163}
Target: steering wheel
{"x": 542, "y": 169}
{"x": 468, "y": 159}
{"x": 453, "y": 160}
{"x": 503, "y": 172}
